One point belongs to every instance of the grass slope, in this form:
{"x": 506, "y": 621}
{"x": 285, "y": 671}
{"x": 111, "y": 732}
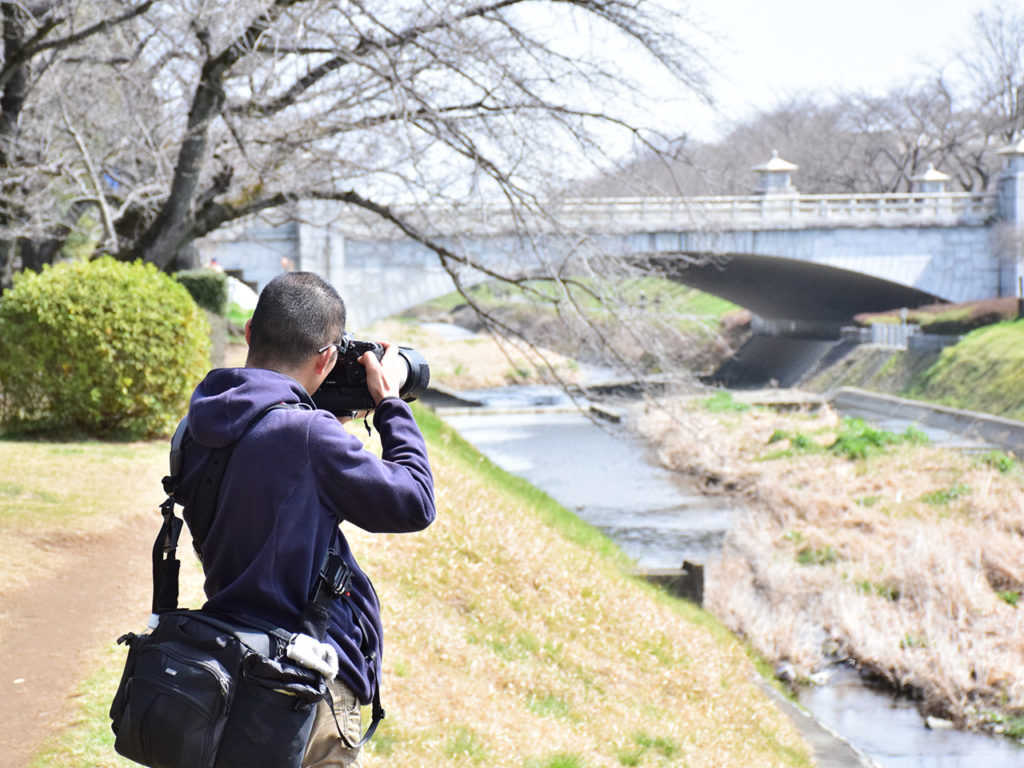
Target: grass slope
{"x": 515, "y": 638}
{"x": 984, "y": 372}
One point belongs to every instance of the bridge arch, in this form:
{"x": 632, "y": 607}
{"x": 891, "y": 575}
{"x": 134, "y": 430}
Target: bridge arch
{"x": 816, "y": 297}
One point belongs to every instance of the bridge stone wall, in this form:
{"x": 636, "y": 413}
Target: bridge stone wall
{"x": 382, "y": 278}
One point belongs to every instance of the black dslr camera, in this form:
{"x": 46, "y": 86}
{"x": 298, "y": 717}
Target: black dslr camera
{"x": 344, "y": 390}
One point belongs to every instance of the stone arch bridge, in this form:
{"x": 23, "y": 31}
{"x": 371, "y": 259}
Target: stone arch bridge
{"x": 803, "y": 264}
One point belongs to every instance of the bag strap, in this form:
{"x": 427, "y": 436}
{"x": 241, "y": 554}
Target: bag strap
{"x": 166, "y": 565}
{"x": 165, "y": 562}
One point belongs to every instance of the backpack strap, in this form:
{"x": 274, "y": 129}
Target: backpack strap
{"x": 204, "y": 505}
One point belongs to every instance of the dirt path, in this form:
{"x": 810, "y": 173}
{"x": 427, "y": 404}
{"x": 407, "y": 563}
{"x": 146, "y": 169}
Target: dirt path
{"x": 51, "y": 631}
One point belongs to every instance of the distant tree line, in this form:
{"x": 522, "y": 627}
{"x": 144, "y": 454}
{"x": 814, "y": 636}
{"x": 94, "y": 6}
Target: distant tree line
{"x": 956, "y": 119}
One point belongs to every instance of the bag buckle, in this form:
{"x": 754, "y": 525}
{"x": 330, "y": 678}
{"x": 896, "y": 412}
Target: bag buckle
{"x": 335, "y": 574}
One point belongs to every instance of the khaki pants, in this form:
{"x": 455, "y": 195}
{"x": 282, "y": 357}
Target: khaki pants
{"x": 325, "y": 749}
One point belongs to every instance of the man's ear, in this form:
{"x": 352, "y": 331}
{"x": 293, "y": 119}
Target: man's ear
{"x": 325, "y": 360}
{"x": 248, "y": 330}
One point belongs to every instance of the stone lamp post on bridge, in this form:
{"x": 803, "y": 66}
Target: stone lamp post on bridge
{"x": 931, "y": 182}
{"x": 774, "y": 177}
{"x": 778, "y": 196}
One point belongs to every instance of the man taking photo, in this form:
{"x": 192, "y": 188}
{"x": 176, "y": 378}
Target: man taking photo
{"x": 294, "y": 475}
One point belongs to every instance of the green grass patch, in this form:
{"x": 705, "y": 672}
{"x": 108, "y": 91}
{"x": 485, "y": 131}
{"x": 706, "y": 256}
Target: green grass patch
{"x": 984, "y": 372}
{"x": 1010, "y": 596}
{"x": 236, "y": 315}
{"x": 817, "y": 556}
{"x": 945, "y": 496}
{"x": 548, "y": 705}
{"x": 723, "y": 402}
{"x": 47, "y": 494}
{"x": 857, "y": 439}
{"x": 887, "y": 591}
{"x": 644, "y": 745}
{"x": 1000, "y": 461}
{"x": 465, "y": 743}
{"x": 559, "y": 760}
{"x": 914, "y": 640}
{"x": 1011, "y": 726}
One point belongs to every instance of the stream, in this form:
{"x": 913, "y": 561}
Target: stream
{"x": 608, "y": 477}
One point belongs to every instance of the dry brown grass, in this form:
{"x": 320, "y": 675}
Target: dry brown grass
{"x": 53, "y": 493}
{"x": 896, "y": 561}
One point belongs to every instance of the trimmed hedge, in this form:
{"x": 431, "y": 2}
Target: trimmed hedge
{"x": 101, "y": 348}
{"x": 208, "y": 288}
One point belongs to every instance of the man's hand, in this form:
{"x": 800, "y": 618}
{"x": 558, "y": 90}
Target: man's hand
{"x": 383, "y": 377}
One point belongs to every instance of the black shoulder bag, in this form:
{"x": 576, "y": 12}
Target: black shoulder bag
{"x": 202, "y": 690}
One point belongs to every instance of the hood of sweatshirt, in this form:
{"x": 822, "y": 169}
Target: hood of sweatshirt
{"x": 228, "y": 399}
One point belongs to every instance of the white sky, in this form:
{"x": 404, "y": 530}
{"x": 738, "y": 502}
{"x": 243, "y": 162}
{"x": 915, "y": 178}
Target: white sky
{"x": 773, "y": 47}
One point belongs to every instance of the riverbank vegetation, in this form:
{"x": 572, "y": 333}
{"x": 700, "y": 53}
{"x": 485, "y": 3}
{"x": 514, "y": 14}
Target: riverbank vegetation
{"x": 646, "y": 324}
{"x": 903, "y": 558}
{"x": 515, "y": 637}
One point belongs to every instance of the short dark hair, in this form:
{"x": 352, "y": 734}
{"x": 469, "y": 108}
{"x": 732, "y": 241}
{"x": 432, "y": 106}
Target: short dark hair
{"x": 296, "y": 314}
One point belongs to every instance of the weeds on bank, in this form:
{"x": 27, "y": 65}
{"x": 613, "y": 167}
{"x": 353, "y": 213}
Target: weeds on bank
{"x": 723, "y": 402}
{"x": 866, "y": 545}
{"x": 855, "y": 439}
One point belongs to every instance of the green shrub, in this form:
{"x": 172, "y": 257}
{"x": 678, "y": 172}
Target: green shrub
{"x": 208, "y": 287}
{"x": 100, "y": 348}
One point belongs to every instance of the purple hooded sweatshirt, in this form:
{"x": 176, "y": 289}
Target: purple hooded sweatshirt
{"x": 294, "y": 477}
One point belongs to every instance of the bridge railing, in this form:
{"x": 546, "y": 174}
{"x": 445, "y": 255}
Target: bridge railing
{"x": 626, "y": 215}
{"x": 782, "y": 211}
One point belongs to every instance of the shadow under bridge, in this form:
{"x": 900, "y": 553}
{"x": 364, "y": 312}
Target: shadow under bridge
{"x": 792, "y": 297}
